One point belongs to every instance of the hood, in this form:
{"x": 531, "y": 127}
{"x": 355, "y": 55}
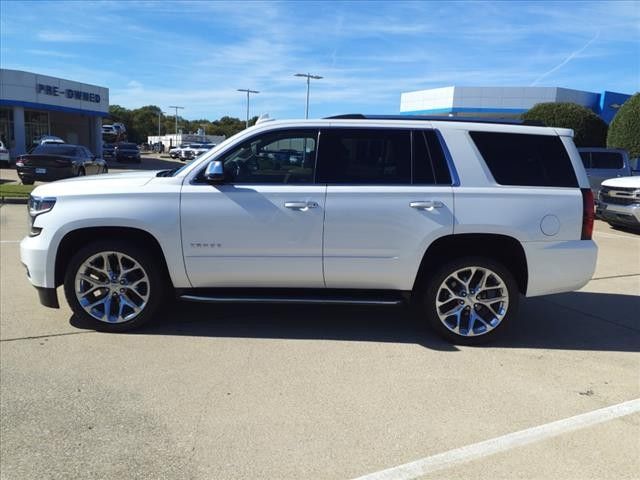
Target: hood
{"x": 622, "y": 182}
{"x": 95, "y": 184}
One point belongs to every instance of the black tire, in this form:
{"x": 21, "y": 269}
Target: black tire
{"x": 27, "y": 181}
{"x": 157, "y": 285}
{"x": 430, "y": 290}
{"x": 105, "y": 169}
{"x": 81, "y": 172}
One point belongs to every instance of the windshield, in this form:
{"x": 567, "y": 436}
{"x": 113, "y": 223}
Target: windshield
{"x": 53, "y": 149}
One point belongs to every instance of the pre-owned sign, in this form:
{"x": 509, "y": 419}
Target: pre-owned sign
{"x": 68, "y": 92}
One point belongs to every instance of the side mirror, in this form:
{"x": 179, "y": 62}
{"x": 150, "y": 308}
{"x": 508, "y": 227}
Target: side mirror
{"x": 214, "y": 173}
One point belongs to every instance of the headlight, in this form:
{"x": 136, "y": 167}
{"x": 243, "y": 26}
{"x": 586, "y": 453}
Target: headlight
{"x": 39, "y": 205}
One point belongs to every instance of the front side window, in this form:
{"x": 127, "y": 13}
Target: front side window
{"x": 365, "y": 156}
{"x": 282, "y": 157}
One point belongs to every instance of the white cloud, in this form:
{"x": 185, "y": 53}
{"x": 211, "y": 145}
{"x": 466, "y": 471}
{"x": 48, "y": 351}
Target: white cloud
{"x": 55, "y": 36}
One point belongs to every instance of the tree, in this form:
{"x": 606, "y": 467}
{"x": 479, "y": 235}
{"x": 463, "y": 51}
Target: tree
{"x": 589, "y": 129}
{"x": 624, "y": 131}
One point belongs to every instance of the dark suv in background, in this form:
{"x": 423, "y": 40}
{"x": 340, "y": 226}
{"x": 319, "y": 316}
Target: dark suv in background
{"x": 127, "y": 152}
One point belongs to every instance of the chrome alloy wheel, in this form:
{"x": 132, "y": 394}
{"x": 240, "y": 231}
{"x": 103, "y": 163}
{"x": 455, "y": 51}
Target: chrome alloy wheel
{"x": 112, "y": 287}
{"x": 472, "y": 301}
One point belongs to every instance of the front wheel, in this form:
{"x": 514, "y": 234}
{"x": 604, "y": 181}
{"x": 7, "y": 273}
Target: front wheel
{"x": 114, "y": 286}
{"x": 471, "y": 300}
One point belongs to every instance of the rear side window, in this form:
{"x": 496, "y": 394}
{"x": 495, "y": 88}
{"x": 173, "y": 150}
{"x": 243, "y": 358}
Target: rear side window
{"x": 364, "y": 156}
{"x": 610, "y": 160}
{"x": 524, "y": 159}
{"x": 429, "y": 162}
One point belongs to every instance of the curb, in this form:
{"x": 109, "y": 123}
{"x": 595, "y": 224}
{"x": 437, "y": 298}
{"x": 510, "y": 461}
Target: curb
{"x": 14, "y": 200}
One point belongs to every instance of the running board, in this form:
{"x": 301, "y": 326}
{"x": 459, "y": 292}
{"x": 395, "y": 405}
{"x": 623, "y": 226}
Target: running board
{"x": 385, "y": 298}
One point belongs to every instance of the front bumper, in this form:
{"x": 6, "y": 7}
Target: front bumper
{"x": 619, "y": 214}
{"x": 34, "y": 256}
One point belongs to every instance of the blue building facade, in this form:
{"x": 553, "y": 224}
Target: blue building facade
{"x": 504, "y": 102}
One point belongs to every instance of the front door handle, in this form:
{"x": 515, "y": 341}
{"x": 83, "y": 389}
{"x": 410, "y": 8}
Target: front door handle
{"x": 427, "y": 204}
{"x": 300, "y": 205}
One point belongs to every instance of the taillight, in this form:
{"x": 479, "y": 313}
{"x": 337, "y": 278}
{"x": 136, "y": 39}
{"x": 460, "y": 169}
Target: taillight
{"x": 588, "y": 214}
{"x": 21, "y": 161}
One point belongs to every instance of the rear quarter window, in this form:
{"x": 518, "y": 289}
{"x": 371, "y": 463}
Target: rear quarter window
{"x": 609, "y": 160}
{"x": 526, "y": 159}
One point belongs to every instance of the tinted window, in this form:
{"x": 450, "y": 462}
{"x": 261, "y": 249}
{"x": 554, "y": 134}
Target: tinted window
{"x": 611, "y": 160}
{"x": 429, "y": 162}
{"x": 128, "y": 146}
{"x": 277, "y": 157}
{"x": 65, "y": 150}
{"x": 586, "y": 159}
{"x": 364, "y": 156}
{"x": 522, "y": 159}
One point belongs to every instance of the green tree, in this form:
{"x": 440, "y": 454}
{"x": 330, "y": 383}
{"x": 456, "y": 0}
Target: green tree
{"x": 589, "y": 129}
{"x": 624, "y": 131}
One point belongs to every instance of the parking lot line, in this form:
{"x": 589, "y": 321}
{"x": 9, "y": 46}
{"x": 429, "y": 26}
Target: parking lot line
{"x": 474, "y": 451}
{"x": 606, "y": 234}
{"x": 9, "y": 241}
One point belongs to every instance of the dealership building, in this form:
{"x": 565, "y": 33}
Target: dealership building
{"x": 32, "y": 105}
{"x": 504, "y": 102}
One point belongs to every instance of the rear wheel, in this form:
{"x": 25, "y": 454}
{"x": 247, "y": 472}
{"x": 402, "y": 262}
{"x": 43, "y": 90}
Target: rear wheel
{"x": 114, "y": 286}
{"x": 81, "y": 172}
{"x": 471, "y": 300}
{"x": 27, "y": 181}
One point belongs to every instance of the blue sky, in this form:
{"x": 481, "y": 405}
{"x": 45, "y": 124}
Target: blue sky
{"x": 197, "y": 54}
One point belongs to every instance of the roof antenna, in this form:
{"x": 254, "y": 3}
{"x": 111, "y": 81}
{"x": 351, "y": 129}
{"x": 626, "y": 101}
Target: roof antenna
{"x": 264, "y": 118}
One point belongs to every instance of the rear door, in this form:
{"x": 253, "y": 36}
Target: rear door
{"x": 384, "y": 204}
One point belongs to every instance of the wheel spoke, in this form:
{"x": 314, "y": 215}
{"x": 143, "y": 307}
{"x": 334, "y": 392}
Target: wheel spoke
{"x": 480, "y": 281}
{"x": 119, "y": 300}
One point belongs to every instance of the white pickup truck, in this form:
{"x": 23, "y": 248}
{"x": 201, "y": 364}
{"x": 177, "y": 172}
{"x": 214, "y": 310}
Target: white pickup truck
{"x": 457, "y": 217}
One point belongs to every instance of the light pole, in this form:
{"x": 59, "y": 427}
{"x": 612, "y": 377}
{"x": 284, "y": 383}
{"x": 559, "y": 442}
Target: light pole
{"x": 160, "y": 112}
{"x": 176, "y": 117}
{"x": 246, "y": 125}
{"x": 309, "y": 77}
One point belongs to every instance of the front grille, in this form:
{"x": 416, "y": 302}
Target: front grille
{"x": 618, "y": 200}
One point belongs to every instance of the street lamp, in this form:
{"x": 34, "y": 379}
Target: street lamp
{"x": 246, "y": 125}
{"x": 160, "y": 113}
{"x": 309, "y": 77}
{"x": 176, "y": 117}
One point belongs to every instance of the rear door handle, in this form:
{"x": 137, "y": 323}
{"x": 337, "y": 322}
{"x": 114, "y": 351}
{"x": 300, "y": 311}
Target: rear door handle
{"x": 300, "y": 205}
{"x": 427, "y": 204}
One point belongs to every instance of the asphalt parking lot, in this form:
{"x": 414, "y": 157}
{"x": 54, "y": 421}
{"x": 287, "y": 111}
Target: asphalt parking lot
{"x": 321, "y": 393}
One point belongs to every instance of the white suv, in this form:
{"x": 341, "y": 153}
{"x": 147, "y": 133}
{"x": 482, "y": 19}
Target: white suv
{"x": 457, "y": 217}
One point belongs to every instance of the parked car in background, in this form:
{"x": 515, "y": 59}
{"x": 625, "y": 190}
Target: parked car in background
{"x": 114, "y": 129}
{"x": 604, "y": 163}
{"x": 174, "y": 152}
{"x": 4, "y": 154}
{"x": 619, "y": 202}
{"x": 57, "y": 161}
{"x": 127, "y": 152}
{"x": 108, "y": 151}
{"x": 194, "y": 150}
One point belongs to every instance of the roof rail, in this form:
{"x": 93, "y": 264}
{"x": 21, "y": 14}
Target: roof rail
{"x": 436, "y": 118}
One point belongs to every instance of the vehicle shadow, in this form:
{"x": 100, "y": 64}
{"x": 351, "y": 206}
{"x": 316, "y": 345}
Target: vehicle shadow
{"x": 551, "y": 322}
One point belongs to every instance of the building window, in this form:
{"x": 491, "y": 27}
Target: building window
{"x": 6, "y": 127}
{"x": 36, "y": 124}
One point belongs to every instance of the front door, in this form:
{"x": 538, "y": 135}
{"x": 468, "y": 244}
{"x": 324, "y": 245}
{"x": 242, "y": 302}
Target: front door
{"x": 262, "y": 227}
